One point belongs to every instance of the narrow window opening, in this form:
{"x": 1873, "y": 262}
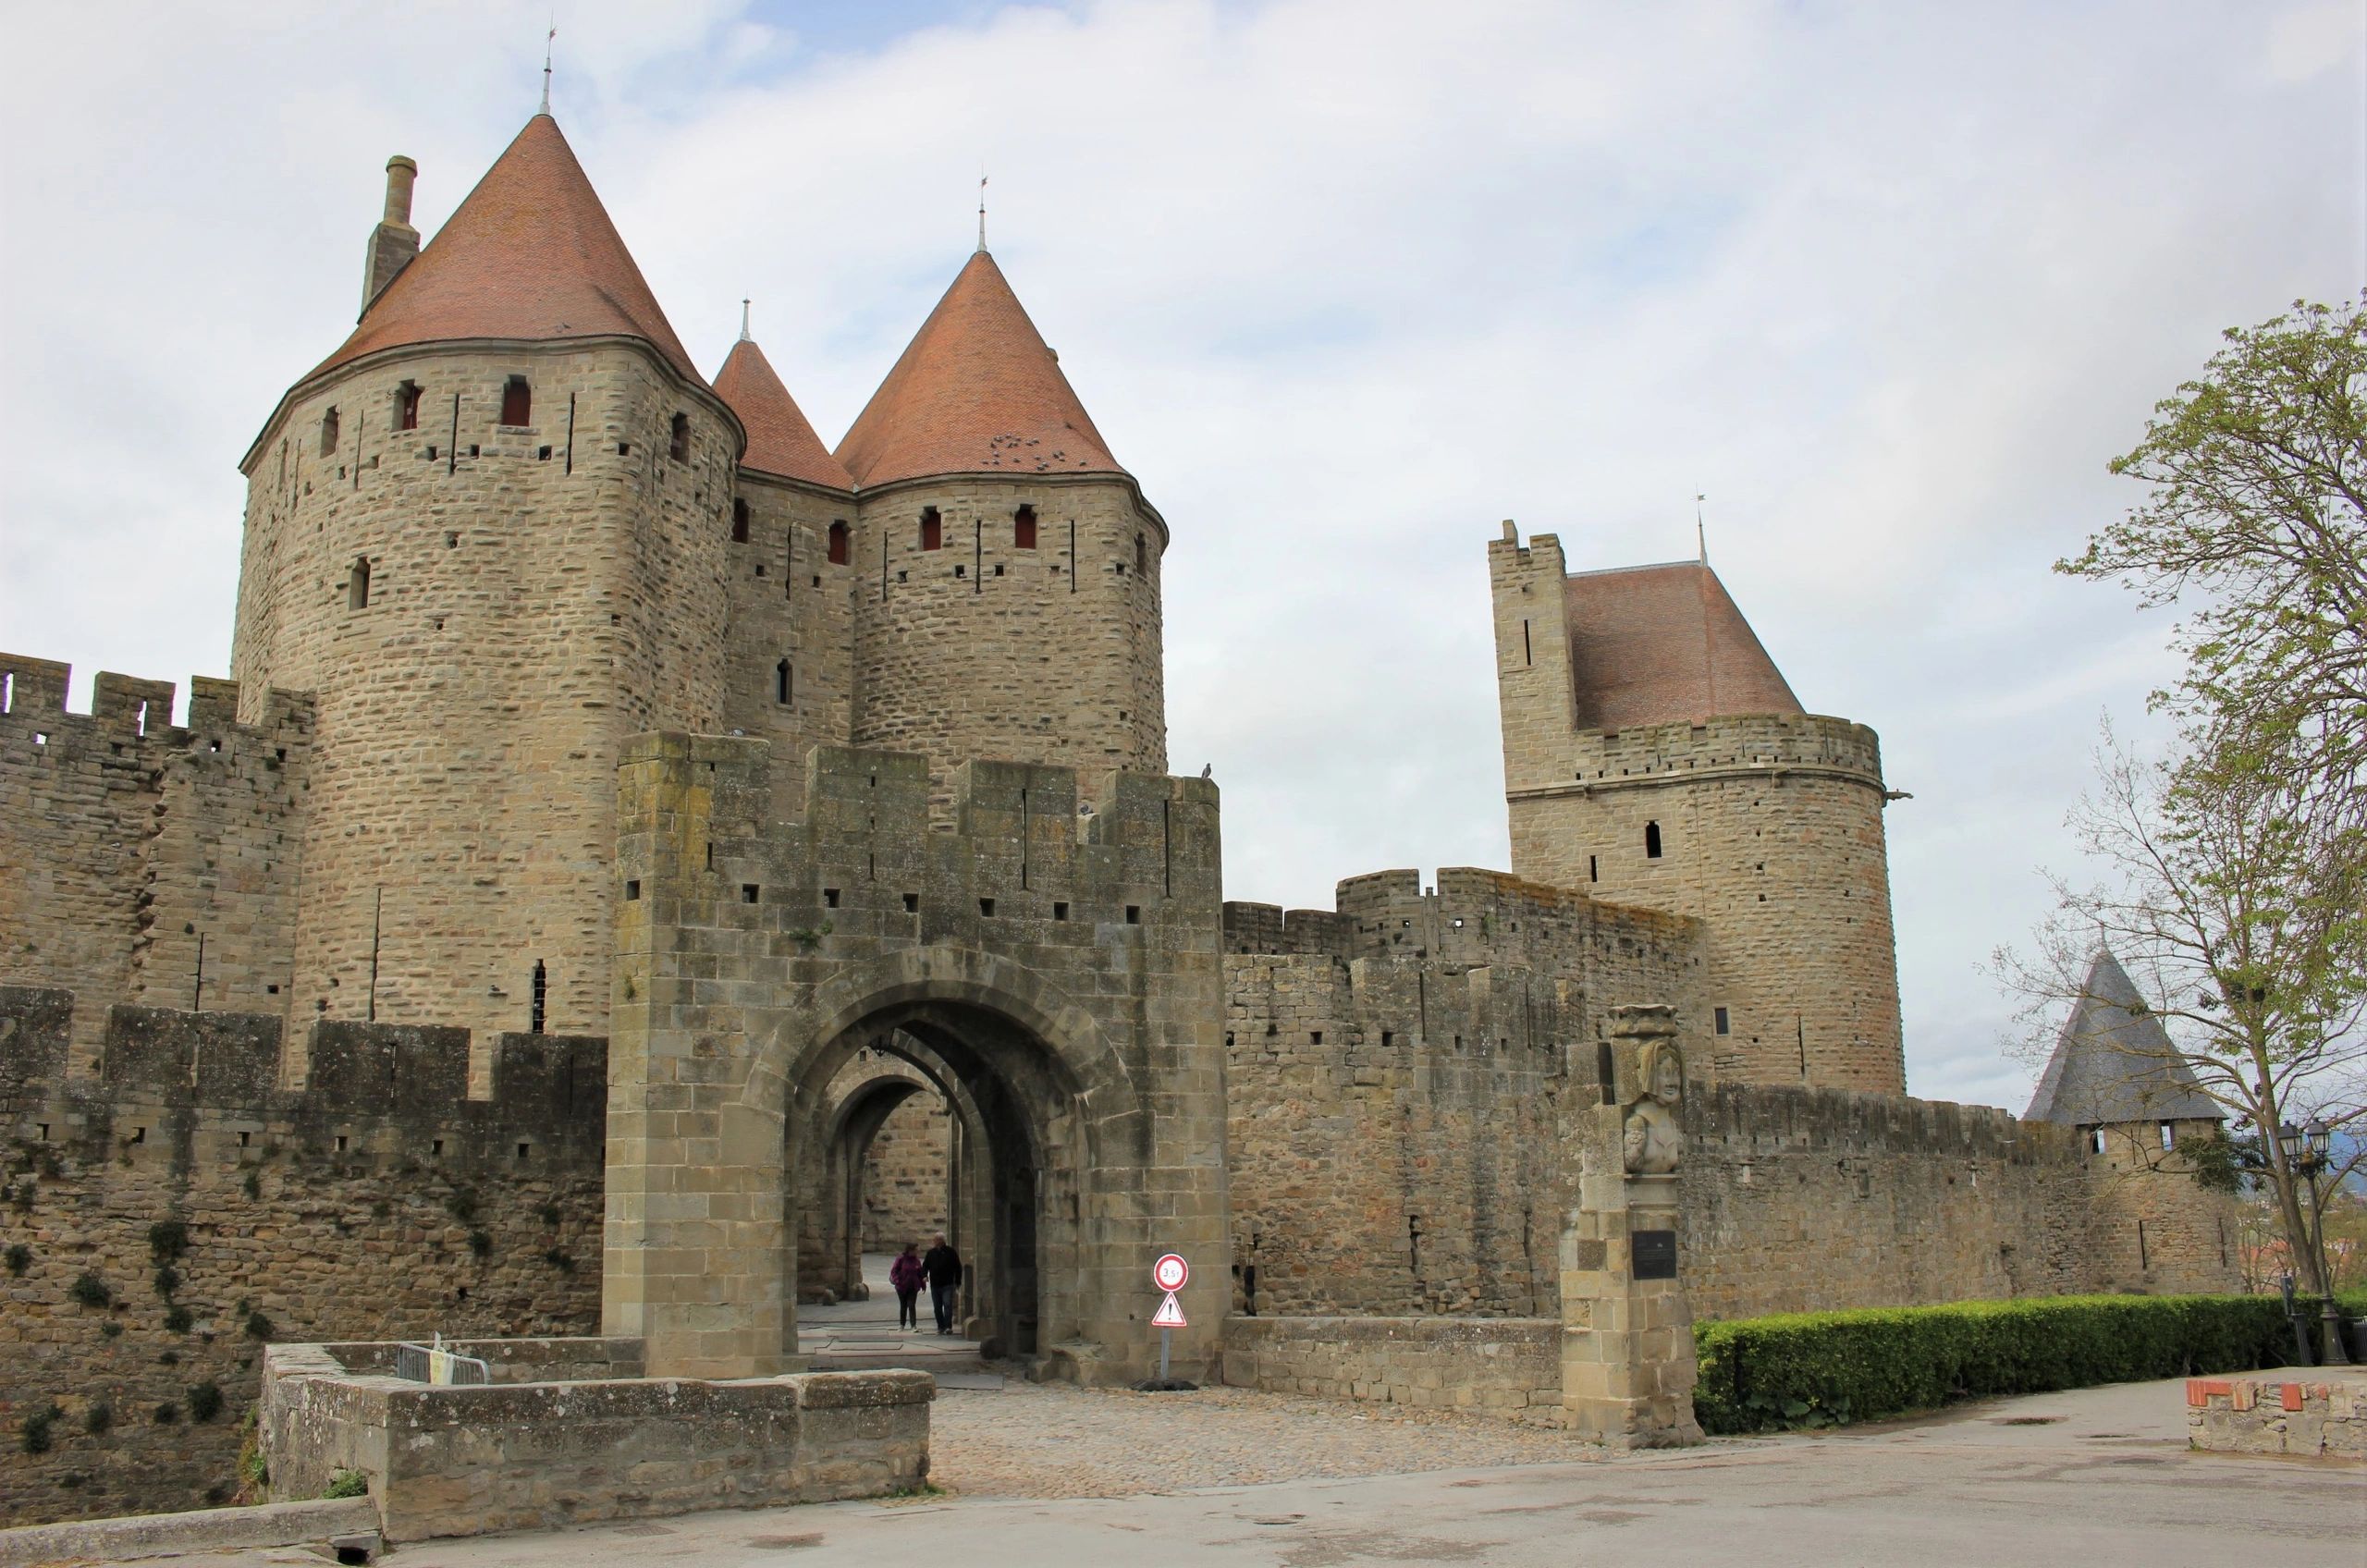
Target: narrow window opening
{"x": 1142, "y": 555}
{"x": 678, "y": 439}
{"x": 782, "y": 683}
{"x": 829, "y": 898}
{"x": 1724, "y": 1027}
{"x": 1651, "y": 840}
{"x": 1527, "y": 655}
{"x": 912, "y": 903}
{"x": 1388, "y": 1038}
{"x": 1133, "y": 914}
{"x": 357, "y": 585}
{"x": 1060, "y": 911}
{"x": 1314, "y": 1036}
{"x": 243, "y": 1137}
{"x": 516, "y": 401}
{"x": 542, "y": 454}
{"x": 2095, "y": 1140}
{"x": 525, "y": 1151}
{"x": 328, "y": 434}
{"x": 1593, "y": 873}
{"x": 633, "y": 890}
{"x": 542, "y": 992}
{"x": 624, "y": 448}
{"x": 139, "y": 1135}
{"x": 838, "y": 544}
{"x": 985, "y": 906}
{"x": 1023, "y": 529}
{"x": 407, "y": 406}
{"x": 340, "y": 1143}
{"x": 749, "y": 892}
{"x": 435, "y": 1148}
{"x": 2169, "y": 1136}
{"x": 932, "y": 529}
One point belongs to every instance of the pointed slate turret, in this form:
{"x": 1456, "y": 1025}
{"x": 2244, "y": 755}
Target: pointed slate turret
{"x": 976, "y": 391}
{"x": 529, "y": 255}
{"x": 1654, "y": 645}
{"x": 779, "y": 439}
{"x": 2115, "y": 1062}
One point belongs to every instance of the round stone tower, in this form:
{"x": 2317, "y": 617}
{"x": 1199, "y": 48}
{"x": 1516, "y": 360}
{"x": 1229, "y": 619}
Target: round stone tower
{"x": 1005, "y": 567}
{"x": 489, "y": 533}
{"x": 1655, "y": 757}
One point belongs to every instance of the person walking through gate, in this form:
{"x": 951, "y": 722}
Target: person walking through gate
{"x": 943, "y": 1265}
{"x": 905, "y": 1275}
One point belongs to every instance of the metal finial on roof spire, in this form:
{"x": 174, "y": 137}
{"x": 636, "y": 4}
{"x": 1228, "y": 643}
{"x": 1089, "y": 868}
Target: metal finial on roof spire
{"x": 744, "y": 321}
{"x": 1701, "y": 535}
{"x": 982, "y": 206}
{"x": 547, "y": 39}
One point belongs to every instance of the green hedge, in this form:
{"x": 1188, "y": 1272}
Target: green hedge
{"x": 1819, "y": 1369}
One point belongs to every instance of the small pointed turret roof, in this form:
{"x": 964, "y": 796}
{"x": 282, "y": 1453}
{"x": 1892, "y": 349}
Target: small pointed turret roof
{"x": 1654, "y": 645}
{"x": 531, "y": 254}
{"x": 975, "y": 391}
{"x": 2115, "y": 1062}
{"x": 779, "y": 439}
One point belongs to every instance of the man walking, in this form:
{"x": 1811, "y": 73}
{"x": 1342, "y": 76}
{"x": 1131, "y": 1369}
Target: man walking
{"x": 943, "y": 1266}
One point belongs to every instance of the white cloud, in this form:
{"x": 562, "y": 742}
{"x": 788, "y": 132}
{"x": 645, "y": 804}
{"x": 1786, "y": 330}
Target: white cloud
{"x": 1344, "y": 282}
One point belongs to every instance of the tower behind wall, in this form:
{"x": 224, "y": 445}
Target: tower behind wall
{"x": 1006, "y": 569}
{"x": 1654, "y": 756}
{"x": 488, "y": 536}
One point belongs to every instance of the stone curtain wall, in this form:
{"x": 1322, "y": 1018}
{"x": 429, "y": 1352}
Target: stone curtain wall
{"x": 1770, "y": 834}
{"x": 1394, "y": 1083}
{"x": 380, "y": 1203}
{"x": 536, "y": 594}
{"x": 125, "y": 838}
{"x": 982, "y": 649}
{"x": 1507, "y": 1366}
{"x": 904, "y": 1178}
{"x": 2152, "y": 1226}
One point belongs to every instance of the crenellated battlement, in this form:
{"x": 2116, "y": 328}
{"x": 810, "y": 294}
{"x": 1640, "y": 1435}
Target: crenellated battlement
{"x": 1470, "y": 916}
{"x": 375, "y": 1091}
{"x": 1768, "y": 745}
{"x": 32, "y": 697}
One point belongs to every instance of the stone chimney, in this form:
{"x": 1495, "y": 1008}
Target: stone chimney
{"x": 394, "y": 243}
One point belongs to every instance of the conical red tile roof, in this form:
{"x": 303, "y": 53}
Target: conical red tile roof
{"x": 1652, "y": 644}
{"x": 975, "y": 391}
{"x": 779, "y": 440}
{"x": 531, "y": 254}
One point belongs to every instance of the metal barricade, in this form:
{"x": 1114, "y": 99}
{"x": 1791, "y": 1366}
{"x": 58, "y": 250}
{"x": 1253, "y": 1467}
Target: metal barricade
{"x": 434, "y": 1364}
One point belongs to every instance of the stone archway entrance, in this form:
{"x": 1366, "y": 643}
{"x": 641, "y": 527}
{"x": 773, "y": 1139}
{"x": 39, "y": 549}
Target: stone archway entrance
{"x": 1051, "y": 964}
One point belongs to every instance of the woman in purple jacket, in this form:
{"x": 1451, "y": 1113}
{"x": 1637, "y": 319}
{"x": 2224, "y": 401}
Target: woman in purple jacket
{"x": 905, "y": 1275}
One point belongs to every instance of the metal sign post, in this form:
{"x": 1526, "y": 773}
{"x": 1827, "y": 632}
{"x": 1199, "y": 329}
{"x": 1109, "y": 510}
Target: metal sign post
{"x": 1169, "y": 1274}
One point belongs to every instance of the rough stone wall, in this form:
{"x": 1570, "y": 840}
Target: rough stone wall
{"x": 983, "y": 649}
{"x": 1393, "y": 1094}
{"x": 535, "y": 594}
{"x": 1771, "y": 833}
{"x": 788, "y": 603}
{"x": 125, "y": 839}
{"x": 2153, "y": 1226}
{"x": 1507, "y": 1366}
{"x": 904, "y": 1176}
{"x": 378, "y": 1203}
{"x": 1056, "y": 952}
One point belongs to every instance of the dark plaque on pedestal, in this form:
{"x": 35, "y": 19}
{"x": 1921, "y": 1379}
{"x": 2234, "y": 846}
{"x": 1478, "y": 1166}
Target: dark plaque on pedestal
{"x": 1655, "y": 1253}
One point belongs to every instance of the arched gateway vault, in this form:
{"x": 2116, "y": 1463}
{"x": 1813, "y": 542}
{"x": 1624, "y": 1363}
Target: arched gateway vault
{"x": 1051, "y": 966}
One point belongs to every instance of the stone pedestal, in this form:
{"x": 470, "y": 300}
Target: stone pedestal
{"x": 1627, "y": 1356}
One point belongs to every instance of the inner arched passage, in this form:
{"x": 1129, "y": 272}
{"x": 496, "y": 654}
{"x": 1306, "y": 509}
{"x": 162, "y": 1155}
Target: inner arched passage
{"x": 1015, "y": 1160}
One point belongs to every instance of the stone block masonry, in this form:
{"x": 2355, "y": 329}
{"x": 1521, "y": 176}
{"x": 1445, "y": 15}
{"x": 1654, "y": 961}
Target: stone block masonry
{"x": 1506, "y": 1367}
{"x": 164, "y": 1217}
{"x": 2309, "y": 1417}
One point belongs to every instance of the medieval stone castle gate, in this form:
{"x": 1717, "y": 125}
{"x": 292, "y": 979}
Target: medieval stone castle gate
{"x": 624, "y": 804}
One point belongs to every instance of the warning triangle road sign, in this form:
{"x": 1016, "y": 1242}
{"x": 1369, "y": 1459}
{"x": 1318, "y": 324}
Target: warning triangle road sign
{"x": 1169, "y": 1313}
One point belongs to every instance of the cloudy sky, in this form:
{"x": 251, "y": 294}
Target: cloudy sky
{"x": 1344, "y": 282}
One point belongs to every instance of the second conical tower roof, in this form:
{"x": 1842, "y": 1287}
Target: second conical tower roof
{"x": 531, "y": 254}
{"x": 976, "y": 391}
{"x": 779, "y": 439}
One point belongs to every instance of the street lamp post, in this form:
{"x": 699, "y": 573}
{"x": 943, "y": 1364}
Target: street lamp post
{"x": 2306, "y": 1151}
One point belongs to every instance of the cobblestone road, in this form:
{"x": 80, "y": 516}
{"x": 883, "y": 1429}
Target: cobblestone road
{"x": 1054, "y": 1440}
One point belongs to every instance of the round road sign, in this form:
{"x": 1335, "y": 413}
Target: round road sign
{"x": 1169, "y": 1272}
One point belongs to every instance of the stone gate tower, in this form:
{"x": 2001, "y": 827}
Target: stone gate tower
{"x": 1007, "y": 570}
{"x": 1655, "y": 757}
{"x": 485, "y": 534}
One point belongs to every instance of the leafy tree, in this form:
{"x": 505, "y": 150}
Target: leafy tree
{"x": 2256, "y": 529}
{"x": 2243, "y": 912}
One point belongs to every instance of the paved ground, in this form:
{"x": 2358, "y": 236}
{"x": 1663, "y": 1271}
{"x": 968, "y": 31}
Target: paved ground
{"x": 2097, "y": 1478}
{"x": 853, "y": 1335}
